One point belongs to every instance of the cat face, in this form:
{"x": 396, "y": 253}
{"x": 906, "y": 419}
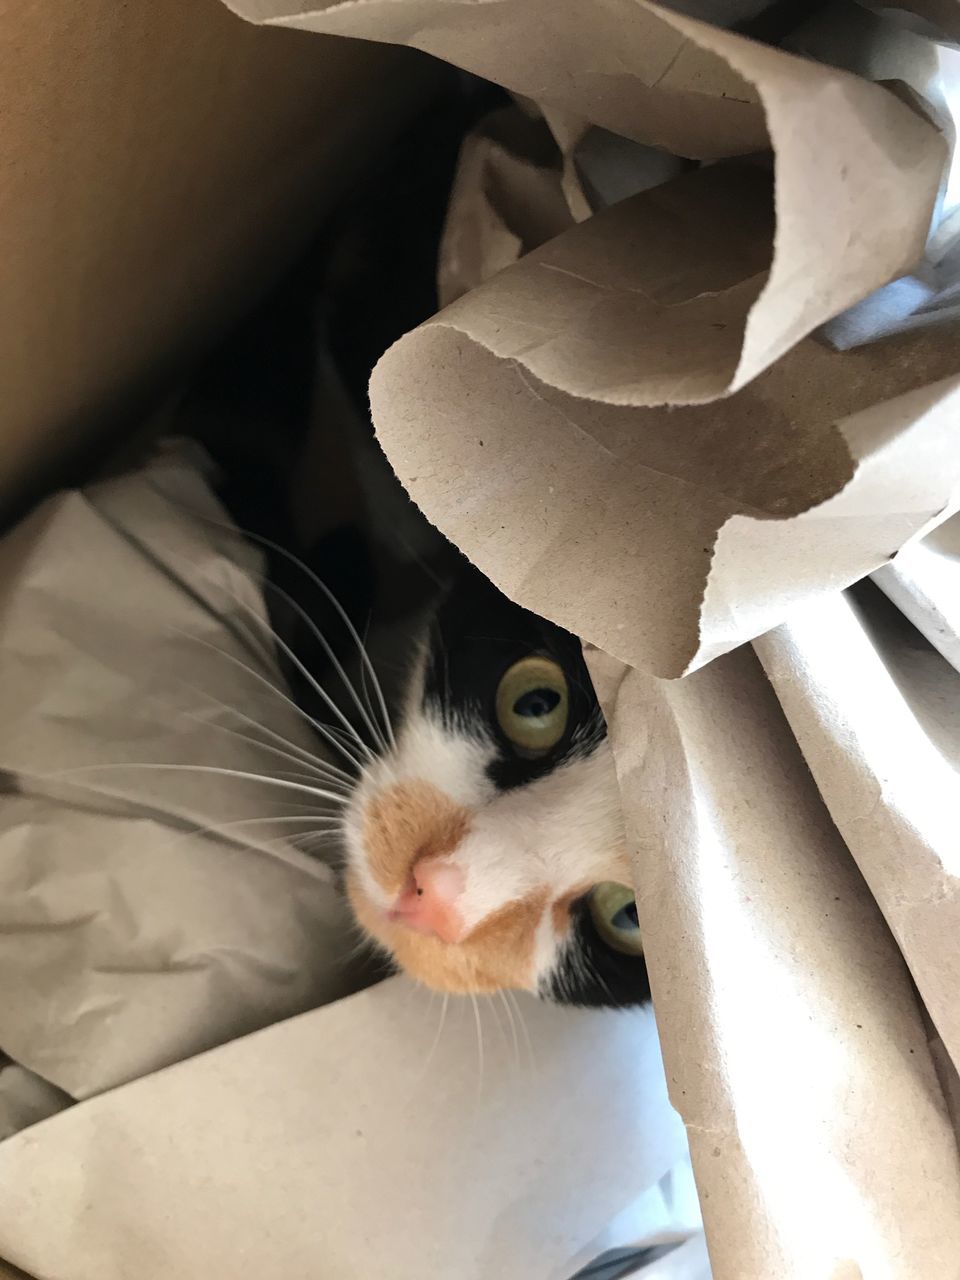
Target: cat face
{"x": 485, "y": 848}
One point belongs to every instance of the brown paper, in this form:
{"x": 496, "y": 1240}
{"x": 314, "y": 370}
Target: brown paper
{"x": 26, "y": 1099}
{"x": 651, "y": 74}
{"x": 876, "y": 711}
{"x": 149, "y": 910}
{"x": 792, "y": 1040}
{"x": 709, "y": 522}
{"x": 523, "y": 419}
{"x": 359, "y": 1141}
{"x": 667, "y": 79}
{"x": 507, "y": 199}
{"x": 923, "y": 581}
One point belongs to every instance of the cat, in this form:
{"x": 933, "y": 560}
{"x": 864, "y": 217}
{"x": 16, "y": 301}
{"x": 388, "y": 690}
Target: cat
{"x": 483, "y": 845}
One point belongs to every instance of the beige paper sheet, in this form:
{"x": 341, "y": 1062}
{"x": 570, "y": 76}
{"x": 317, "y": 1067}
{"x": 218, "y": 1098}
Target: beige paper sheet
{"x": 664, "y": 75}
{"x": 792, "y": 1040}
{"x": 506, "y": 199}
{"x": 353, "y": 1142}
{"x": 923, "y": 581}
{"x": 524, "y": 418}
{"x": 942, "y": 15}
{"x": 147, "y": 914}
{"x": 876, "y": 711}
{"x": 26, "y": 1099}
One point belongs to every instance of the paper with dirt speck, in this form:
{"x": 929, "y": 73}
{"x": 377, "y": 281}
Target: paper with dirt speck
{"x": 641, "y": 392}
{"x": 794, "y": 1046}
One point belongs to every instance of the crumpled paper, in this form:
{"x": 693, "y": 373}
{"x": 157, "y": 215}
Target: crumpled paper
{"x": 360, "y": 1140}
{"x": 677, "y": 297}
{"x": 876, "y": 711}
{"x": 632, "y": 430}
{"x": 926, "y": 71}
{"x": 151, "y": 914}
{"x": 923, "y": 581}
{"x": 794, "y": 1046}
{"x": 150, "y": 909}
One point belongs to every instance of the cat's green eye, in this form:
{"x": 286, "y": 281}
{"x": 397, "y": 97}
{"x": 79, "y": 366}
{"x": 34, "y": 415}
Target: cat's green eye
{"x": 614, "y": 911}
{"x": 533, "y": 705}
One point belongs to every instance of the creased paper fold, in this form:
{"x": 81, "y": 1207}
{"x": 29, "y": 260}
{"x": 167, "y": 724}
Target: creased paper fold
{"x": 640, "y": 392}
{"x": 794, "y": 1046}
{"x": 154, "y": 897}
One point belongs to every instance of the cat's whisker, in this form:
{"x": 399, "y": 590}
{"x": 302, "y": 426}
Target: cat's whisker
{"x": 234, "y": 824}
{"x": 321, "y": 765}
{"x": 308, "y": 675}
{"x": 289, "y": 556}
{"x": 367, "y": 717}
{"x": 513, "y": 1029}
{"x": 479, "y": 1025}
{"x": 304, "y": 773}
{"x": 494, "y": 1008}
{"x": 512, "y": 997}
{"x": 439, "y": 1032}
{"x": 322, "y": 730}
{"x": 58, "y": 775}
{"x": 264, "y": 624}
{"x": 351, "y": 629}
{"x": 364, "y": 688}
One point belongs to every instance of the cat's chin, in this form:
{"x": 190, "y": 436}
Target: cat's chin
{"x": 497, "y": 956}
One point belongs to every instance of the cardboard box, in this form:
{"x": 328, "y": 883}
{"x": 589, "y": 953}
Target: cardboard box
{"x": 626, "y": 417}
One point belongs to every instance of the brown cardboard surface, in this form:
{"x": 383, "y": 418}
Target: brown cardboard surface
{"x": 793, "y": 1043}
{"x": 158, "y": 165}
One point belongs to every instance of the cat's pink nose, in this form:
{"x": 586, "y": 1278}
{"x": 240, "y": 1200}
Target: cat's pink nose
{"x": 428, "y": 904}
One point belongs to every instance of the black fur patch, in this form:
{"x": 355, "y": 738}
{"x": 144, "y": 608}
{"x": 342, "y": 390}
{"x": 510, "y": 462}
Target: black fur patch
{"x": 591, "y": 974}
{"x": 477, "y": 634}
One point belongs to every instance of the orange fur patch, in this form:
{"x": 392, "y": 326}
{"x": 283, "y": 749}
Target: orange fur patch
{"x": 561, "y": 909}
{"x": 498, "y": 953}
{"x": 406, "y": 822}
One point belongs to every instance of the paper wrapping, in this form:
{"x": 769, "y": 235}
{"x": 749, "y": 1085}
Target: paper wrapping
{"x": 632, "y": 430}
{"x": 356, "y": 1141}
{"x": 876, "y": 711}
{"x": 923, "y": 582}
{"x": 150, "y": 912}
{"x": 676, "y": 298}
{"x": 793, "y": 1043}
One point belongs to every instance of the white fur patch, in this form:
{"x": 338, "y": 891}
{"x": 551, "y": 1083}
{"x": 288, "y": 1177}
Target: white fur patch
{"x": 556, "y": 834}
